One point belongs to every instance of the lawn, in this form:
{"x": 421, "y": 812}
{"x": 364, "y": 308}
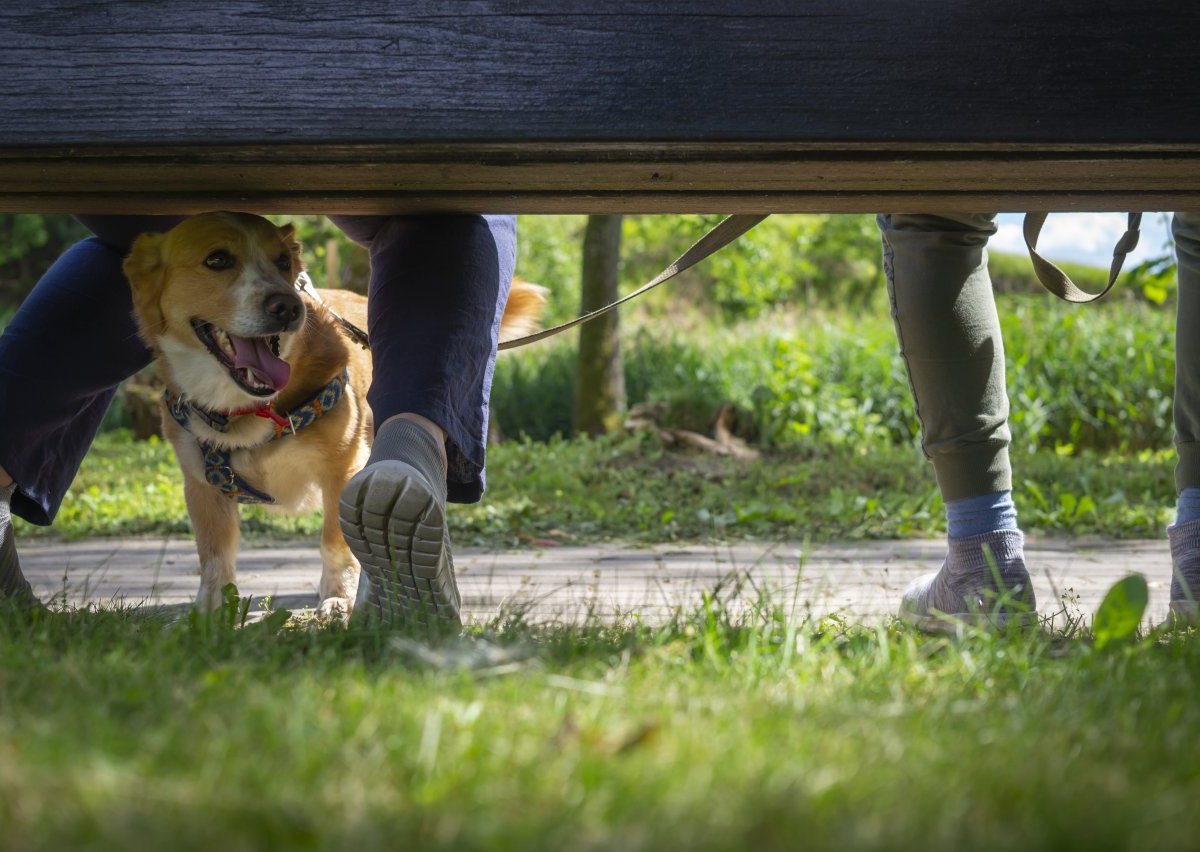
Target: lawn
{"x": 633, "y": 487}
{"x": 713, "y": 731}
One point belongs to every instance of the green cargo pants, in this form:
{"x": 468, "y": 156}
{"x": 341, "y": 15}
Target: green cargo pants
{"x": 949, "y": 335}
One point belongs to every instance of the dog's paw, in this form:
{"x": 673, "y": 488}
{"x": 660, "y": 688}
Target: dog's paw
{"x": 208, "y": 599}
{"x": 335, "y": 607}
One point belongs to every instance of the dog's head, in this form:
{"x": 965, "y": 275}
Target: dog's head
{"x": 216, "y": 297}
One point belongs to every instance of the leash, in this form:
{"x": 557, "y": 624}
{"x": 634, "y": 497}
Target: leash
{"x": 732, "y": 227}
{"x": 304, "y": 285}
{"x": 1057, "y": 281}
{"x": 726, "y": 231}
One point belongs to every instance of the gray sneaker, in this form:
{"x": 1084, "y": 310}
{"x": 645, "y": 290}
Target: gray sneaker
{"x": 14, "y": 588}
{"x": 972, "y": 589}
{"x": 393, "y": 516}
{"x": 1185, "y": 572}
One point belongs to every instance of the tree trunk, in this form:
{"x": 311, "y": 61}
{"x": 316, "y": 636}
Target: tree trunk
{"x": 600, "y": 371}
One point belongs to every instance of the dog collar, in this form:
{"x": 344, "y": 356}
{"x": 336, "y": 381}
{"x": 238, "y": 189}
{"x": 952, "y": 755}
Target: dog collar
{"x": 218, "y": 471}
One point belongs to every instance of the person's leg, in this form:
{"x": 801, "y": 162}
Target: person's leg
{"x": 1184, "y": 534}
{"x": 13, "y": 585}
{"x": 949, "y": 336}
{"x": 438, "y": 287}
{"x": 70, "y": 344}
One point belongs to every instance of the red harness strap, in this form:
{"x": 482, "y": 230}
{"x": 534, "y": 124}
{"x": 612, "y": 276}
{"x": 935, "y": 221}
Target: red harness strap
{"x": 265, "y": 411}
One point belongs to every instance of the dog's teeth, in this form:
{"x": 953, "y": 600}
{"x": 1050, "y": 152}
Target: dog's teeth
{"x": 224, "y": 342}
{"x": 249, "y": 380}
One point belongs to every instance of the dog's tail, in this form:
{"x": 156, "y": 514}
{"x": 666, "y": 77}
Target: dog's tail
{"x": 523, "y": 310}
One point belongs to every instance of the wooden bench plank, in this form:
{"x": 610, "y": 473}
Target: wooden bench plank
{"x": 593, "y": 179}
{"x": 626, "y": 105}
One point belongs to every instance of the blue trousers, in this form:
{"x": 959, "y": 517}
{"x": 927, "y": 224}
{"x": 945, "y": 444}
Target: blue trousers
{"x": 438, "y": 287}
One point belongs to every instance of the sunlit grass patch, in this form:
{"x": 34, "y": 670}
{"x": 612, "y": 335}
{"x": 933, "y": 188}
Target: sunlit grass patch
{"x": 721, "y": 728}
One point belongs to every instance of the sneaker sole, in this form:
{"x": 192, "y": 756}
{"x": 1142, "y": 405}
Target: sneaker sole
{"x": 393, "y": 524}
{"x": 1184, "y": 614}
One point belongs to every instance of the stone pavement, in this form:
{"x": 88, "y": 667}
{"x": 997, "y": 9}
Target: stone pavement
{"x": 861, "y": 580}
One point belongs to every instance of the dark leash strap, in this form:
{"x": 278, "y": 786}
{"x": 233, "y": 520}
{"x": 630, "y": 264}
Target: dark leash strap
{"x": 1057, "y": 281}
{"x": 726, "y": 231}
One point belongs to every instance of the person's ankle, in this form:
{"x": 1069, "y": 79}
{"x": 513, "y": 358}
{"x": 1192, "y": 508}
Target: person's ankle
{"x": 435, "y": 431}
{"x": 973, "y": 516}
{"x": 1004, "y": 549}
{"x": 1187, "y": 509}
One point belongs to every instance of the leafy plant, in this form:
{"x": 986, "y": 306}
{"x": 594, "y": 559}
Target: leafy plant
{"x": 1120, "y": 613}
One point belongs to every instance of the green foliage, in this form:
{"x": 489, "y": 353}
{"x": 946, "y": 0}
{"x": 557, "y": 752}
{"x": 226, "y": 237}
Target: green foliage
{"x": 315, "y": 234}
{"x": 1120, "y": 614}
{"x": 29, "y": 243}
{"x": 1098, "y": 376}
{"x": 1013, "y": 273}
{"x": 21, "y": 234}
{"x": 788, "y": 259}
{"x": 1155, "y": 279}
{"x": 1080, "y": 377}
{"x": 550, "y": 253}
{"x": 718, "y": 727}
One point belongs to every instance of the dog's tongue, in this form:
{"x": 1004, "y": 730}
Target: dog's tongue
{"x": 255, "y": 354}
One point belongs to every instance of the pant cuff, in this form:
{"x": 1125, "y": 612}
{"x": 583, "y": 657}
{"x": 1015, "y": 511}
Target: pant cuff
{"x": 1187, "y": 468}
{"x": 974, "y": 471}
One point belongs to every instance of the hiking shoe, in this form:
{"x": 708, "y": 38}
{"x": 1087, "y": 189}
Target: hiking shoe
{"x": 1185, "y": 572}
{"x": 393, "y": 516}
{"x": 972, "y": 589}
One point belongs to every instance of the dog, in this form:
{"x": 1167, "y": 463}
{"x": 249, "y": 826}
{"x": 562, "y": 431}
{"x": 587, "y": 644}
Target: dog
{"x": 266, "y": 385}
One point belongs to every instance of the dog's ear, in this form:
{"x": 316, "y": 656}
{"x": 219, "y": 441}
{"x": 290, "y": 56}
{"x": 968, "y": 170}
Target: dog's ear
{"x": 287, "y": 233}
{"x": 145, "y": 271}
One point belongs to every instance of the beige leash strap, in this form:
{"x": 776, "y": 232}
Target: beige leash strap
{"x": 726, "y": 231}
{"x": 1057, "y": 281}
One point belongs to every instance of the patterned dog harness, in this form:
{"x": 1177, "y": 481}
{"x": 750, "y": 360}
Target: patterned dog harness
{"x": 218, "y": 470}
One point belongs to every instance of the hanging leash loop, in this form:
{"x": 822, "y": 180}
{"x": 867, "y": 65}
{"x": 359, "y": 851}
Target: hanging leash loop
{"x": 1057, "y": 281}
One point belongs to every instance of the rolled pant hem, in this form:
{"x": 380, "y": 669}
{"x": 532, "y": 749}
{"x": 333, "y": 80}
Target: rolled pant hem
{"x": 1187, "y": 468}
{"x": 973, "y": 473}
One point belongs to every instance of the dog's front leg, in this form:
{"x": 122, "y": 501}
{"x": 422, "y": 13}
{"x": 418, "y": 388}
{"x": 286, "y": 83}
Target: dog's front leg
{"x": 216, "y": 522}
{"x": 339, "y": 568}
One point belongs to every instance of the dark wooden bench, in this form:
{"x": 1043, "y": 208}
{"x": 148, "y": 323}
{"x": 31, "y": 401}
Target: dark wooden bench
{"x": 599, "y": 106}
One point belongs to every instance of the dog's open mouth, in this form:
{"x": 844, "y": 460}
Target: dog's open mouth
{"x": 253, "y": 362}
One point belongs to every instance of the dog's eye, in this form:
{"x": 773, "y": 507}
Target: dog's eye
{"x": 220, "y": 259}
{"x": 284, "y": 262}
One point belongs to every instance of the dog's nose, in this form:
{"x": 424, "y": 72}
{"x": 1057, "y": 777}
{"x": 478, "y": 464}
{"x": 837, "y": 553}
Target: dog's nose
{"x": 284, "y": 307}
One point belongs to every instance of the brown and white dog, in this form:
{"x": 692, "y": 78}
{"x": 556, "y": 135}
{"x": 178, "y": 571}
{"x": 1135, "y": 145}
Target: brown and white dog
{"x": 266, "y": 390}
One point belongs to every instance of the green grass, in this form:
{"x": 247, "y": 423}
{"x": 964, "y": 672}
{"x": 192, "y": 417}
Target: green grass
{"x": 632, "y": 487}
{"x": 713, "y": 731}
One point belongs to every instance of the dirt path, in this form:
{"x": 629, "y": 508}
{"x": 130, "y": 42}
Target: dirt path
{"x": 861, "y": 580}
